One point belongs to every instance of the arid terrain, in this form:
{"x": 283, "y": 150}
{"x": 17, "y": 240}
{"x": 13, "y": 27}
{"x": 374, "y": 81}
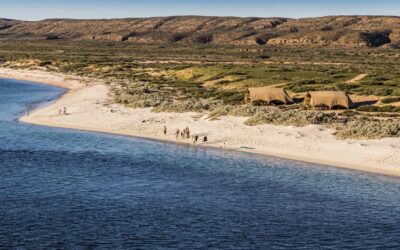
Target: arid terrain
{"x": 207, "y": 64}
{"x": 341, "y": 31}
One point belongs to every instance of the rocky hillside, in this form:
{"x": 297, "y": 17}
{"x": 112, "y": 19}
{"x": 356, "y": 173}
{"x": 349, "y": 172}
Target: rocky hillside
{"x": 342, "y": 31}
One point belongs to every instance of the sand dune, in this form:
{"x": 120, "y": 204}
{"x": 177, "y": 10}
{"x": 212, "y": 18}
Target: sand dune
{"x": 89, "y": 108}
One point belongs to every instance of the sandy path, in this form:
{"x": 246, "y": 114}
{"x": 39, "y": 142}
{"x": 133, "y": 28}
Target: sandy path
{"x": 357, "y": 78}
{"x": 89, "y": 108}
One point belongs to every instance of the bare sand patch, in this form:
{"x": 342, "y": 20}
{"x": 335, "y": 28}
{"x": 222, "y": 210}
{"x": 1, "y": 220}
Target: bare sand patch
{"x": 357, "y": 78}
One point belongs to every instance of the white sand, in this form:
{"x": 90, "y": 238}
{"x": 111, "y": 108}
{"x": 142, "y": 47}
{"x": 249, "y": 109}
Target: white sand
{"x": 357, "y": 78}
{"x": 89, "y": 108}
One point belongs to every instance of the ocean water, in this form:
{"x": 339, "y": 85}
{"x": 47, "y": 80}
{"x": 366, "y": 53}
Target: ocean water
{"x": 70, "y": 189}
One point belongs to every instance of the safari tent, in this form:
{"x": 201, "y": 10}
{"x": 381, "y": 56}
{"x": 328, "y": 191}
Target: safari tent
{"x": 269, "y": 94}
{"x": 330, "y": 99}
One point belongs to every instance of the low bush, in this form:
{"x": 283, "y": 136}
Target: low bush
{"x": 346, "y": 87}
{"x": 291, "y": 118}
{"x": 349, "y": 113}
{"x": 138, "y": 100}
{"x": 188, "y": 105}
{"x": 388, "y": 108}
{"x": 237, "y": 111}
{"x": 390, "y": 100}
{"x": 366, "y": 129}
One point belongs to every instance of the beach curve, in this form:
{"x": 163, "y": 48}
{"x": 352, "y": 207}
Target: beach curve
{"x": 89, "y": 107}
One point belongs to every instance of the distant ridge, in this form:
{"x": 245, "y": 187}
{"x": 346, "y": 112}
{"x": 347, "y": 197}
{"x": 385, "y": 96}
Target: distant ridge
{"x": 338, "y": 31}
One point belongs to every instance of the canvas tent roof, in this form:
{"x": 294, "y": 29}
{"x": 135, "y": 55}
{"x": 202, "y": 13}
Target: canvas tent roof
{"x": 269, "y": 94}
{"x": 330, "y": 99}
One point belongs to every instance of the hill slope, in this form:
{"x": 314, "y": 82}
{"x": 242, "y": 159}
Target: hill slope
{"x": 342, "y": 31}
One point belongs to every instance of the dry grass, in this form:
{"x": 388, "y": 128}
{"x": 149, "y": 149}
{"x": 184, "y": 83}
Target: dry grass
{"x": 368, "y": 129}
{"x": 291, "y": 118}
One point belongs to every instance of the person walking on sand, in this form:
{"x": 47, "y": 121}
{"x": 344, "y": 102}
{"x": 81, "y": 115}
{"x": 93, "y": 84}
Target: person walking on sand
{"x": 205, "y": 139}
{"x": 187, "y": 133}
{"x": 177, "y": 133}
{"x": 65, "y": 110}
{"x": 196, "y": 138}
{"x": 165, "y": 130}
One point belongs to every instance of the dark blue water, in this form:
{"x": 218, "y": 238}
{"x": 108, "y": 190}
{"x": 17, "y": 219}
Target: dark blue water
{"x": 70, "y": 189}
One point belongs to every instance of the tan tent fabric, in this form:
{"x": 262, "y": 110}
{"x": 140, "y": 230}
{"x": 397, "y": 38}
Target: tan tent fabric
{"x": 330, "y": 99}
{"x": 269, "y": 94}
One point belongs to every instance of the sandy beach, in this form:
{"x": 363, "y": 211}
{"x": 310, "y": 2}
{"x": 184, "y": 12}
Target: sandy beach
{"x": 89, "y": 107}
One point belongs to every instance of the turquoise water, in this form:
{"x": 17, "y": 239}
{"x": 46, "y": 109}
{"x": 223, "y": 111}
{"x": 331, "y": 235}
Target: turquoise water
{"x": 70, "y": 189}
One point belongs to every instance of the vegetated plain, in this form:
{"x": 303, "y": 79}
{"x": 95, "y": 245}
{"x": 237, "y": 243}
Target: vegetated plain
{"x": 215, "y": 78}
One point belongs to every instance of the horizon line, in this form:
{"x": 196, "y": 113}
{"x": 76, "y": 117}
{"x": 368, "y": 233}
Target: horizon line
{"x": 189, "y": 15}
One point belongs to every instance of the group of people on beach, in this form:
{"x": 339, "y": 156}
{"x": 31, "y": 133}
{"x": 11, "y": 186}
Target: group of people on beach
{"x": 185, "y": 134}
{"x": 196, "y": 139}
{"x": 62, "y": 111}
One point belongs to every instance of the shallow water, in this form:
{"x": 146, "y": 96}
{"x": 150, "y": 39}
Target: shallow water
{"x": 70, "y": 189}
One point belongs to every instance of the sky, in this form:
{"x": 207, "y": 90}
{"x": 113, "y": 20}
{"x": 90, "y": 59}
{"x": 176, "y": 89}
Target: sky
{"x": 88, "y": 9}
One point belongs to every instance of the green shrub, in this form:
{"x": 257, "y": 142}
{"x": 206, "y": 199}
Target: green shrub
{"x": 291, "y": 117}
{"x": 362, "y": 129}
{"x": 346, "y": 87}
{"x": 188, "y": 105}
{"x": 383, "y": 92}
{"x": 349, "y": 113}
{"x": 396, "y": 91}
{"x": 388, "y": 108}
{"x": 237, "y": 111}
{"x": 229, "y": 97}
{"x": 390, "y": 100}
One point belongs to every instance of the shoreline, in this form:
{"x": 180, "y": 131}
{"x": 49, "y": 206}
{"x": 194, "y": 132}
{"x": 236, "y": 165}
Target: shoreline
{"x": 359, "y": 168}
{"x": 88, "y": 103}
{"x": 379, "y": 171}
